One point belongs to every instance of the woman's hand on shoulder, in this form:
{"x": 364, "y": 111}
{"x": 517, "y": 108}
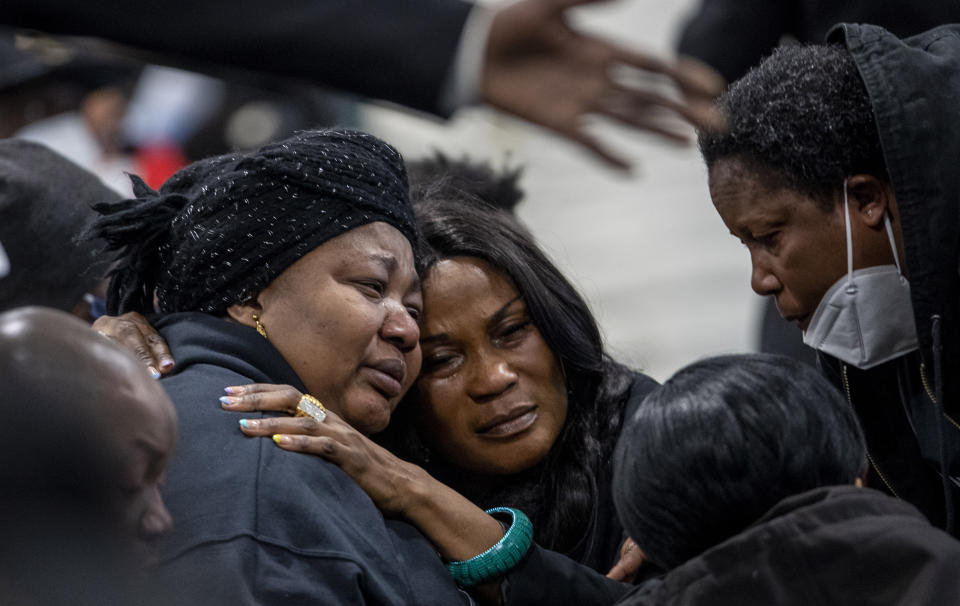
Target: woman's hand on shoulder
{"x": 389, "y": 481}
{"x": 132, "y": 331}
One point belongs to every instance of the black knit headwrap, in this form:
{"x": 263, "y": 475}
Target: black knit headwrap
{"x": 222, "y": 229}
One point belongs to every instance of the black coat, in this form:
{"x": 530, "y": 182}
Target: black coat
{"x": 914, "y": 87}
{"x": 254, "y": 524}
{"x": 829, "y": 546}
{"x": 400, "y": 51}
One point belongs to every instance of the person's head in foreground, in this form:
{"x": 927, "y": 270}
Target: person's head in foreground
{"x": 720, "y": 443}
{"x": 86, "y": 439}
{"x": 308, "y": 240}
{"x": 741, "y": 477}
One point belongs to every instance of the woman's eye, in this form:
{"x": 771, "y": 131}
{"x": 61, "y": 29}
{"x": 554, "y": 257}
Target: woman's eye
{"x": 769, "y": 240}
{"x": 513, "y": 332}
{"x": 414, "y": 313}
{"x": 372, "y": 287}
{"x": 437, "y": 361}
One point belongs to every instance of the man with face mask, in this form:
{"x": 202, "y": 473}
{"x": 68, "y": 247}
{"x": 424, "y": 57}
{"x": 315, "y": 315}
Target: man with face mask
{"x": 839, "y": 175}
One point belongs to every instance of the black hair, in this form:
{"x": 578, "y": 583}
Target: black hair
{"x": 800, "y": 120}
{"x": 439, "y": 176}
{"x": 562, "y": 490}
{"x": 723, "y": 441}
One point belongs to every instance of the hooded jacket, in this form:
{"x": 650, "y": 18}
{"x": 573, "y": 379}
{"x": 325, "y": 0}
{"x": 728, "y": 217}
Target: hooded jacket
{"x": 910, "y": 407}
{"x": 254, "y": 524}
{"x": 835, "y": 545}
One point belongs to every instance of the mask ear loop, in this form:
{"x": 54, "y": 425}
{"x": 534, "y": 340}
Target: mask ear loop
{"x": 893, "y": 242}
{"x": 851, "y": 287}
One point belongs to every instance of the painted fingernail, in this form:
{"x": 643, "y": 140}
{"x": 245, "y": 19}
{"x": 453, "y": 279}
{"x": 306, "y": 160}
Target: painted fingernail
{"x": 231, "y": 389}
{"x": 245, "y": 423}
{"x": 226, "y": 400}
{"x": 166, "y": 364}
{"x": 154, "y": 372}
{"x": 281, "y": 439}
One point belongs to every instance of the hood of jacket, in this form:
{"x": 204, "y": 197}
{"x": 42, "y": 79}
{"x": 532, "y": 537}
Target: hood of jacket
{"x": 914, "y": 88}
{"x": 831, "y": 545}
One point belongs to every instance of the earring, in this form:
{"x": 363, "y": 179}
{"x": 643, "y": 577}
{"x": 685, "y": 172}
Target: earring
{"x": 260, "y": 328}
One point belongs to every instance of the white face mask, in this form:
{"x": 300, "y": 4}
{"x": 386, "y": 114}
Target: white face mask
{"x": 866, "y": 318}
{"x": 4, "y": 262}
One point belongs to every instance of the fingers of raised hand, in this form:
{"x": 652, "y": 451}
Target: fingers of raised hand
{"x": 261, "y": 396}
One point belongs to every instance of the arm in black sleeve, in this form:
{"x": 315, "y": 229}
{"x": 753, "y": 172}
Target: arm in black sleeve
{"x": 400, "y": 51}
{"x": 733, "y": 35}
{"x": 547, "y": 577}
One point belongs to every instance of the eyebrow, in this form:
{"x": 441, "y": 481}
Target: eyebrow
{"x": 388, "y": 261}
{"x": 494, "y": 319}
{"x": 500, "y": 313}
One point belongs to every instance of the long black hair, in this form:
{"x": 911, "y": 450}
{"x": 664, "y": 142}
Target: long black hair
{"x": 562, "y": 491}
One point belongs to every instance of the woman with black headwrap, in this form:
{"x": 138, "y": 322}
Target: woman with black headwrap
{"x": 292, "y": 264}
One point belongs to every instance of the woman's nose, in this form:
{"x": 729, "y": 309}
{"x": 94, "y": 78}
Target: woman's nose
{"x": 400, "y": 328}
{"x": 490, "y": 375}
{"x": 762, "y": 279}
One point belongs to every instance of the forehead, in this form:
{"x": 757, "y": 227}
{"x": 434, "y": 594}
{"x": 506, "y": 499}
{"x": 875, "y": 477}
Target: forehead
{"x": 747, "y": 202}
{"x": 377, "y": 243}
{"x": 464, "y": 289}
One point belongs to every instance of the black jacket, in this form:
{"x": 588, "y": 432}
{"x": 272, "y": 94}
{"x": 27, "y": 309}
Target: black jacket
{"x": 400, "y": 51}
{"x": 734, "y": 35}
{"x": 254, "y": 524}
{"x": 829, "y": 546}
{"x": 914, "y": 88}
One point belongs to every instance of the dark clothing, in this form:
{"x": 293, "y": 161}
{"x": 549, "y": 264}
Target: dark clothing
{"x": 254, "y": 524}
{"x": 547, "y": 577}
{"x": 398, "y": 51}
{"x": 734, "y": 35}
{"x": 913, "y": 87}
{"x": 838, "y": 545}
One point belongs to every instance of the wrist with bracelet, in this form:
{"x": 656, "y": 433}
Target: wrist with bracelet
{"x": 499, "y": 559}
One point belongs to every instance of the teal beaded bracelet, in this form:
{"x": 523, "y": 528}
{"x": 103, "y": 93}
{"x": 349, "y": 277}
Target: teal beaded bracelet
{"x": 500, "y": 558}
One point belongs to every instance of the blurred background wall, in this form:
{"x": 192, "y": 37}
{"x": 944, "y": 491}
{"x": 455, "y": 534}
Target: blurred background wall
{"x": 662, "y": 274}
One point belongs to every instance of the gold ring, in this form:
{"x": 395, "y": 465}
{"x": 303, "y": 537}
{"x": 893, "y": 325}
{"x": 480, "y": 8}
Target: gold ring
{"x": 311, "y": 407}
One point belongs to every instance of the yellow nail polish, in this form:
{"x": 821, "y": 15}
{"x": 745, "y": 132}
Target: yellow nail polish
{"x": 276, "y": 438}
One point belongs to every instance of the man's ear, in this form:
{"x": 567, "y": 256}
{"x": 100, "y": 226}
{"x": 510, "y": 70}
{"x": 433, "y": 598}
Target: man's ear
{"x": 243, "y": 313}
{"x": 870, "y": 198}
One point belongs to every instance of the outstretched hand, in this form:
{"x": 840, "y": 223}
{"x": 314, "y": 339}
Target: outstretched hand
{"x": 540, "y": 69}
